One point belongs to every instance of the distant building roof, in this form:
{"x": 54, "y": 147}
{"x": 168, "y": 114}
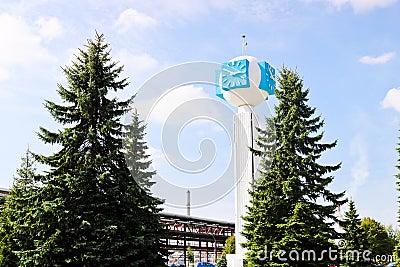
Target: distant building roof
{"x": 4, "y": 191}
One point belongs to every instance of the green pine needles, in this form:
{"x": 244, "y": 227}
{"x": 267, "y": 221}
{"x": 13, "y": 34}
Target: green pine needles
{"x": 355, "y": 238}
{"x": 135, "y": 153}
{"x": 19, "y": 214}
{"x": 88, "y": 209}
{"x": 291, "y": 207}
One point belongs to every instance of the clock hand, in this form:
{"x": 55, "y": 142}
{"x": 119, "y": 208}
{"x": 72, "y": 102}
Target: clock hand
{"x": 232, "y": 72}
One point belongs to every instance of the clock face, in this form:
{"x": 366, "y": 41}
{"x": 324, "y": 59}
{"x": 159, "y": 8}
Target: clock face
{"x": 235, "y": 74}
{"x": 268, "y": 81}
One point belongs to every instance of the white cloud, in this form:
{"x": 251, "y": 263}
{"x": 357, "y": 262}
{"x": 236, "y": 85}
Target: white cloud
{"x": 5, "y": 95}
{"x": 138, "y": 62}
{"x": 131, "y": 18}
{"x": 3, "y": 74}
{"x": 70, "y": 55}
{"x": 177, "y": 9}
{"x": 174, "y": 12}
{"x": 173, "y": 99}
{"x": 200, "y": 132}
{"x": 155, "y": 154}
{"x": 190, "y": 9}
{"x": 359, "y": 6}
{"x": 360, "y": 169}
{"x": 139, "y": 67}
{"x": 382, "y": 59}
{"x": 392, "y": 99}
{"x": 21, "y": 47}
{"x": 49, "y": 28}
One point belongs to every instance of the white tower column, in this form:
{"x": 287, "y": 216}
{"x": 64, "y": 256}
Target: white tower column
{"x": 245, "y": 124}
{"x": 244, "y": 82}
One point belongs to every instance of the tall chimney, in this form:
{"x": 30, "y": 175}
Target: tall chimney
{"x": 188, "y": 203}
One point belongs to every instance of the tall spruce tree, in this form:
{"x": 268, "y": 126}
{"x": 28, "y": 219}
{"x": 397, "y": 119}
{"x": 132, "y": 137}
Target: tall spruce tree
{"x": 18, "y": 216}
{"x": 354, "y": 237}
{"x": 92, "y": 212}
{"x": 291, "y": 207}
{"x": 135, "y": 153}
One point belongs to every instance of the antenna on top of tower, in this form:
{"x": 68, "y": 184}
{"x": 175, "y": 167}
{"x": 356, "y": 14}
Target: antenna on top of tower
{"x": 244, "y": 49}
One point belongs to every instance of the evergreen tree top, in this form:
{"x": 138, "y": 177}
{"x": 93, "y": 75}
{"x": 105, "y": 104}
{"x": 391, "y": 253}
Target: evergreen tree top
{"x": 352, "y": 212}
{"x": 26, "y": 172}
{"x": 92, "y": 118}
{"x": 89, "y": 210}
{"x": 135, "y": 149}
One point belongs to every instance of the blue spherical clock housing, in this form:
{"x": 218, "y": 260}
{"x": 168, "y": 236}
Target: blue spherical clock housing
{"x": 267, "y": 82}
{"x": 245, "y": 80}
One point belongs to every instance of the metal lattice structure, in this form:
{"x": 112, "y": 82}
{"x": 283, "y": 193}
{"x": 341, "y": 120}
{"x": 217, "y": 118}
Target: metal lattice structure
{"x": 205, "y": 237}
{"x": 4, "y": 191}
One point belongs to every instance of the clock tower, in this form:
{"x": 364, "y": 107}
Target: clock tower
{"x": 244, "y": 82}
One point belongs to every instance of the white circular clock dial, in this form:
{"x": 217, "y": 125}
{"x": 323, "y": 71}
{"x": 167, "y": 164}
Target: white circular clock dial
{"x": 250, "y": 95}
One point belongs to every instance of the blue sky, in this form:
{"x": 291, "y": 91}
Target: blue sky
{"x": 348, "y": 52}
